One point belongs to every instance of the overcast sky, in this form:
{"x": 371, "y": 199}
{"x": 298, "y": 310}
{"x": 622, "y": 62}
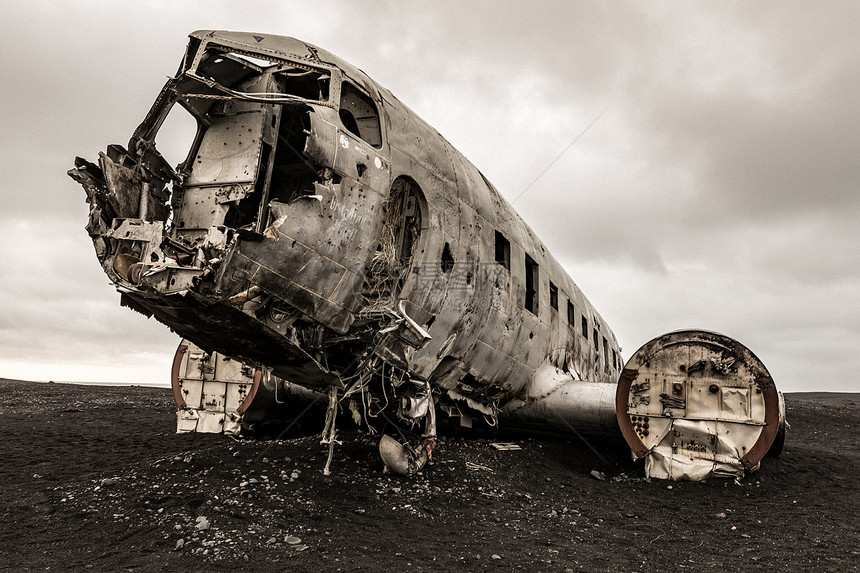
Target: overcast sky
{"x": 717, "y": 190}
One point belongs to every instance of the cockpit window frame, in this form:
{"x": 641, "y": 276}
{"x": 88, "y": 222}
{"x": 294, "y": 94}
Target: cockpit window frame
{"x": 254, "y": 62}
{"x": 355, "y": 129}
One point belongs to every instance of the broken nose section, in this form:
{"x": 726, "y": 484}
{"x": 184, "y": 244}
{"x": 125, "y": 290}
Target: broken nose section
{"x": 129, "y": 217}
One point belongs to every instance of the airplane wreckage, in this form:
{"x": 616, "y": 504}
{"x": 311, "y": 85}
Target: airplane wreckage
{"x": 321, "y": 242}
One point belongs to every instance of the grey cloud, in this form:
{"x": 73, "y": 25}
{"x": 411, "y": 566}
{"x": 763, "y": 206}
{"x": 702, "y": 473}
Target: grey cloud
{"x": 718, "y": 190}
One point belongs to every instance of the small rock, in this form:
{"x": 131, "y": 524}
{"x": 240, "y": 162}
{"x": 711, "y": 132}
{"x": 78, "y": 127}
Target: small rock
{"x": 496, "y": 556}
{"x": 292, "y": 540}
{"x": 202, "y": 523}
{"x": 271, "y": 540}
{"x": 721, "y": 515}
{"x": 107, "y": 481}
{"x": 180, "y": 543}
{"x": 598, "y": 475}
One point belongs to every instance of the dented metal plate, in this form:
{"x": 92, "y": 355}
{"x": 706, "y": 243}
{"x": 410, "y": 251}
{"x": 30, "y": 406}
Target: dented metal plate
{"x": 697, "y": 404}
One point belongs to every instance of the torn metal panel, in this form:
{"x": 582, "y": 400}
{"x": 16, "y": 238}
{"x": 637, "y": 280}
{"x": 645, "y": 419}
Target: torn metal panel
{"x": 125, "y": 185}
{"x": 225, "y": 158}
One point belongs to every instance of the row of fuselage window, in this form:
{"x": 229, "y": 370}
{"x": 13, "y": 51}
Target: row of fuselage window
{"x": 532, "y": 283}
{"x": 353, "y": 99}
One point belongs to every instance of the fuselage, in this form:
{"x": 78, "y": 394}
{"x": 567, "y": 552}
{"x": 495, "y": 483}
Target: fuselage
{"x": 318, "y": 222}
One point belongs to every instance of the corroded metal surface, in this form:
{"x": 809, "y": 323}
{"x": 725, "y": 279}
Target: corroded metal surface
{"x": 697, "y": 404}
{"x": 319, "y": 232}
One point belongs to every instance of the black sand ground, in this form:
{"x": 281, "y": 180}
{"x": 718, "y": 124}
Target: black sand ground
{"x": 94, "y": 478}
